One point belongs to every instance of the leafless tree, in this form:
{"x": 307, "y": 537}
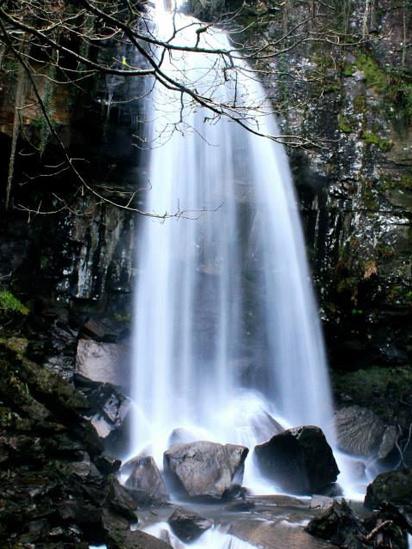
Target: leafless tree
{"x": 65, "y": 43}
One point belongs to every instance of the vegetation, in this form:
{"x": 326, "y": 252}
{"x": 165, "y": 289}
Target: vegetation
{"x": 10, "y": 303}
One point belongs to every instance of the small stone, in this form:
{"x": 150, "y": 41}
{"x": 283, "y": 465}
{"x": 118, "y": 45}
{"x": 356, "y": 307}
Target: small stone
{"x": 187, "y": 525}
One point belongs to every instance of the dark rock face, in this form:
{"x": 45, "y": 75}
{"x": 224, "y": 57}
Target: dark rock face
{"x": 187, "y": 525}
{"x": 204, "y": 469}
{"x": 394, "y": 487}
{"x": 363, "y": 433}
{"x": 298, "y": 460}
{"x": 146, "y": 481}
{"x": 56, "y": 486}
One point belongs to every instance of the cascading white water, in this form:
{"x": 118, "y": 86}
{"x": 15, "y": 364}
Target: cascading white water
{"x": 226, "y": 327}
{"x": 214, "y": 537}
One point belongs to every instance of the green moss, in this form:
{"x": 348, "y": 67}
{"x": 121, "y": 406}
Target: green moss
{"x": 359, "y": 104}
{"x": 374, "y": 139}
{"x": 399, "y": 93}
{"x": 122, "y": 317}
{"x": 375, "y": 77}
{"x": 9, "y": 302}
{"x": 385, "y": 251}
{"x": 347, "y": 284}
{"x": 375, "y": 387}
{"x": 393, "y": 84}
{"x": 345, "y": 124}
{"x": 403, "y": 182}
{"x": 16, "y": 344}
{"x": 400, "y": 294}
{"x": 332, "y": 88}
{"x": 348, "y": 69}
{"x": 369, "y": 198}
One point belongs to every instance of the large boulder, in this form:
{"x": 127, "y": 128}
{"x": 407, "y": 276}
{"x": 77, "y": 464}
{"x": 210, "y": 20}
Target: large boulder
{"x": 204, "y": 469}
{"x": 363, "y": 433}
{"x": 187, "y": 525}
{"x": 299, "y": 460}
{"x": 145, "y": 480}
{"x": 394, "y": 487}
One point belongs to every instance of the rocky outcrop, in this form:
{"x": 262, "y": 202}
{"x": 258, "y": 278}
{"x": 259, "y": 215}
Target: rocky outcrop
{"x": 204, "y": 469}
{"x": 298, "y": 460}
{"x": 187, "y": 525}
{"x": 57, "y": 488}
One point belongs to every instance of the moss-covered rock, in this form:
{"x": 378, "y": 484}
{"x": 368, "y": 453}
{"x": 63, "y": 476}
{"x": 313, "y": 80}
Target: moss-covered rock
{"x": 394, "y": 487}
{"x": 386, "y": 391}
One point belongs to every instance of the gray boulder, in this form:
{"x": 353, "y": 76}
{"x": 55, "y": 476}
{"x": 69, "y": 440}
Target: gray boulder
{"x": 145, "y": 480}
{"x": 361, "y": 432}
{"x": 204, "y": 469}
{"x": 299, "y": 460}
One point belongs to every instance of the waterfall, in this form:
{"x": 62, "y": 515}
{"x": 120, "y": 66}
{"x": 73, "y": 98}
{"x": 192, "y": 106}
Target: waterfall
{"x": 226, "y": 328}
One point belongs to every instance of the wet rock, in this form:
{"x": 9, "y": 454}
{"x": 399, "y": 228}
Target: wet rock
{"x": 361, "y": 432}
{"x": 298, "y": 460}
{"x": 279, "y": 534}
{"x": 321, "y": 502}
{"x": 100, "y": 361}
{"x": 204, "y": 469}
{"x": 339, "y": 525}
{"x": 394, "y": 487}
{"x": 146, "y": 481}
{"x": 107, "y": 464}
{"x": 187, "y": 525}
{"x": 108, "y": 406}
{"x": 103, "y": 330}
{"x": 63, "y": 340}
{"x": 117, "y": 535}
{"x": 120, "y": 500}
